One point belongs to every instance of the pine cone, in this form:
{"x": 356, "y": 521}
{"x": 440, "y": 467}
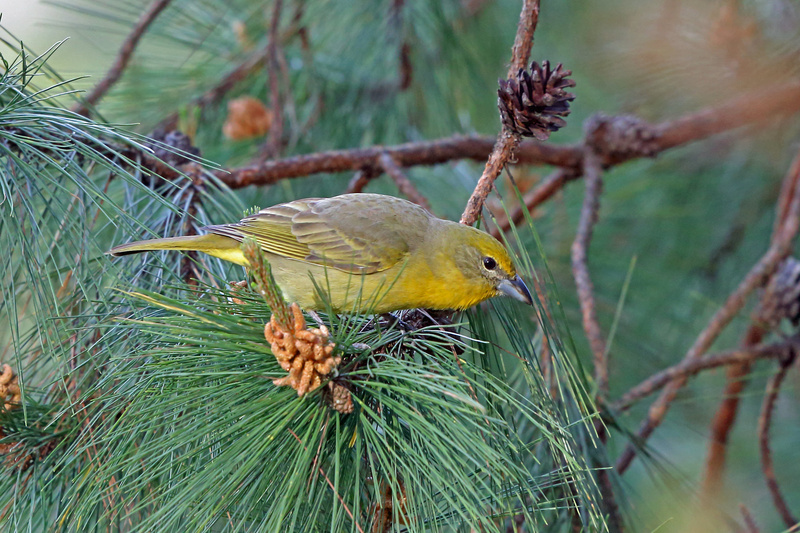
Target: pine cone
{"x": 782, "y": 294}
{"x": 621, "y": 137}
{"x": 247, "y": 118}
{"x": 532, "y": 103}
{"x": 339, "y": 398}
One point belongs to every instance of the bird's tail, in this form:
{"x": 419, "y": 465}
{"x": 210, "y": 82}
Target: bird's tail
{"x": 216, "y": 245}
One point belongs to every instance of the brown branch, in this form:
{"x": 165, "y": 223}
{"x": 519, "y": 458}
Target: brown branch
{"x": 252, "y": 63}
{"x": 523, "y": 40}
{"x": 360, "y": 180}
{"x": 537, "y": 196}
{"x": 580, "y": 270}
{"x": 405, "y": 69}
{"x": 215, "y": 94}
{"x": 503, "y": 149}
{"x": 725, "y": 417}
{"x": 408, "y": 189}
{"x": 686, "y": 369}
{"x": 406, "y": 155}
{"x": 123, "y": 57}
{"x": 273, "y": 145}
{"x": 764, "y": 422}
{"x": 193, "y": 191}
{"x": 735, "y": 113}
{"x": 507, "y": 141}
{"x": 782, "y": 101}
{"x": 755, "y": 278}
{"x": 749, "y": 521}
{"x": 579, "y": 252}
{"x": 790, "y": 184}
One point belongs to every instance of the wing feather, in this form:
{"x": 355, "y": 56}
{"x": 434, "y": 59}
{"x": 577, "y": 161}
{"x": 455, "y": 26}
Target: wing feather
{"x": 361, "y": 233}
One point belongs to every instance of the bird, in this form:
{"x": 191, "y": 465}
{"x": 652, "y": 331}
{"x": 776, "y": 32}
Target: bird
{"x": 362, "y": 252}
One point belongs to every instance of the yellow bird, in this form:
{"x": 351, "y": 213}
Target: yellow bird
{"x": 367, "y": 252}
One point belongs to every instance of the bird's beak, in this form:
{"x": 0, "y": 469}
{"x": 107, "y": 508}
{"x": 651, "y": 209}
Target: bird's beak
{"x": 516, "y": 289}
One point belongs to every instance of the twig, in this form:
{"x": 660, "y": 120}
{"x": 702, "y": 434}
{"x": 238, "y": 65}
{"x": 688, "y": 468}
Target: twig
{"x": 788, "y": 187}
{"x": 405, "y": 70}
{"x": 123, "y": 57}
{"x": 507, "y": 141}
{"x": 749, "y": 521}
{"x": 580, "y": 270}
{"x": 406, "y": 155}
{"x": 725, "y": 416}
{"x": 689, "y": 128}
{"x": 764, "y": 422}
{"x": 401, "y": 180}
{"x": 272, "y": 148}
{"x": 537, "y": 196}
{"x": 503, "y": 149}
{"x": 523, "y": 40}
{"x": 360, "y": 179}
{"x": 686, "y": 369}
{"x": 406, "y": 67}
{"x": 737, "y": 112}
{"x": 755, "y": 278}
{"x": 247, "y": 67}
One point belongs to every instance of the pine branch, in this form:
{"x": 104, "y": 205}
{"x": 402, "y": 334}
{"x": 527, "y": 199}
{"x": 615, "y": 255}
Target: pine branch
{"x": 507, "y": 140}
{"x": 764, "y": 423}
{"x": 686, "y": 369}
{"x": 757, "y": 276}
{"x": 123, "y": 57}
{"x": 580, "y": 270}
{"x": 725, "y": 416}
{"x": 403, "y": 183}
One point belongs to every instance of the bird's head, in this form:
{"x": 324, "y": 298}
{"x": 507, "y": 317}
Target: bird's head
{"x": 485, "y": 265}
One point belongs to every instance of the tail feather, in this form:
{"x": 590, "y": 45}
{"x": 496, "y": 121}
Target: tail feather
{"x": 216, "y": 245}
{"x": 169, "y": 243}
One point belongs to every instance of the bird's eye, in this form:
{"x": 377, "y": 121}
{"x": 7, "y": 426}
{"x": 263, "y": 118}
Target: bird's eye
{"x": 489, "y": 263}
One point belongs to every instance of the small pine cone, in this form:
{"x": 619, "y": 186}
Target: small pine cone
{"x": 621, "y": 137}
{"x": 247, "y": 118}
{"x": 170, "y": 149}
{"x": 339, "y": 398}
{"x": 532, "y": 103}
{"x": 174, "y": 140}
{"x": 782, "y": 294}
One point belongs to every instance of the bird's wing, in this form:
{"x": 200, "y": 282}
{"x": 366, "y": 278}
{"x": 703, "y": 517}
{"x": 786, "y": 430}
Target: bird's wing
{"x": 361, "y": 233}
{"x": 354, "y": 232}
{"x": 271, "y": 228}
